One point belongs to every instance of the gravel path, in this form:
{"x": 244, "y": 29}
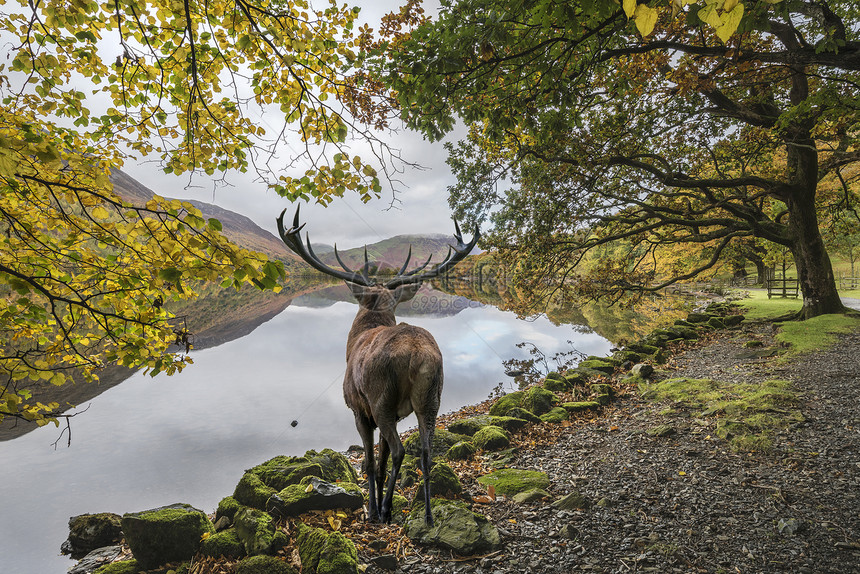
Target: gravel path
{"x": 686, "y": 502}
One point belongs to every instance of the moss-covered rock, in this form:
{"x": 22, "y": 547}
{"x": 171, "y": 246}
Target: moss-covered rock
{"x": 256, "y": 530}
{"x": 556, "y": 415}
{"x": 696, "y": 318}
{"x": 529, "y": 496}
{"x": 463, "y": 450}
{"x": 733, "y": 320}
{"x": 441, "y": 442}
{"x": 123, "y": 567}
{"x": 510, "y": 424}
{"x": 580, "y": 406}
{"x": 227, "y": 507}
{"x": 627, "y": 356}
{"x": 716, "y": 323}
{"x": 443, "y": 482}
{"x": 572, "y": 501}
{"x": 225, "y": 543}
{"x": 326, "y": 553}
{"x": 600, "y": 365}
{"x": 90, "y": 531}
{"x": 681, "y": 332}
{"x": 313, "y": 493}
{"x": 601, "y": 389}
{"x": 454, "y": 527}
{"x": 264, "y": 565}
{"x": 510, "y": 481}
{"x": 642, "y": 348}
{"x": 504, "y": 404}
{"x": 470, "y": 425}
{"x": 575, "y": 378}
{"x": 539, "y": 400}
{"x": 520, "y": 414}
{"x": 282, "y": 471}
{"x": 252, "y": 491}
{"x": 491, "y": 438}
{"x": 556, "y": 385}
{"x": 167, "y": 534}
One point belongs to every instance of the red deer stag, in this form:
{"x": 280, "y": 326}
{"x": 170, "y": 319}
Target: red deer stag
{"x": 391, "y": 370}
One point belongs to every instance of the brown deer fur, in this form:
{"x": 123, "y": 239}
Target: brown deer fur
{"x": 392, "y": 370}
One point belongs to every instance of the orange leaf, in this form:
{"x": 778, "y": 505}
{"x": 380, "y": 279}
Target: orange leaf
{"x": 491, "y": 491}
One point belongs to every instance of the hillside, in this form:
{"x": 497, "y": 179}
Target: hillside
{"x": 391, "y": 253}
{"x": 238, "y": 228}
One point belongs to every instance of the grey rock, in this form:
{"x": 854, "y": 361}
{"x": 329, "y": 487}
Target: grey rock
{"x": 455, "y": 527}
{"x": 166, "y": 534}
{"x": 96, "y": 559}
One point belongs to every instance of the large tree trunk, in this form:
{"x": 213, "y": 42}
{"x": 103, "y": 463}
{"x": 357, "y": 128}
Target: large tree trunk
{"x": 814, "y": 270}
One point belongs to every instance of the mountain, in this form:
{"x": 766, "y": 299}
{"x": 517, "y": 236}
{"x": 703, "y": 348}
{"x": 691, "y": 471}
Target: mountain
{"x": 238, "y": 228}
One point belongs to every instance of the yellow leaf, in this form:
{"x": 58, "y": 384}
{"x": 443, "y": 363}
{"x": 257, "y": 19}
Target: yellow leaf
{"x": 682, "y": 473}
{"x": 309, "y": 488}
{"x": 629, "y": 7}
{"x": 645, "y": 18}
{"x": 729, "y": 4}
{"x": 334, "y": 523}
{"x": 99, "y": 212}
{"x": 729, "y": 22}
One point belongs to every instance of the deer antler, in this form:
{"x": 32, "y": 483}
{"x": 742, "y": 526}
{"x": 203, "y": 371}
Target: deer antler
{"x": 455, "y": 255}
{"x": 292, "y": 238}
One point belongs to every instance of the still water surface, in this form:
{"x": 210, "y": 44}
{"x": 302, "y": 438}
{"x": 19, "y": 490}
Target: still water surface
{"x": 188, "y": 438}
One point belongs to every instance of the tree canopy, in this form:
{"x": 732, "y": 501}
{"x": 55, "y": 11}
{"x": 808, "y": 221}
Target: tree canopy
{"x": 203, "y": 87}
{"x": 717, "y": 122}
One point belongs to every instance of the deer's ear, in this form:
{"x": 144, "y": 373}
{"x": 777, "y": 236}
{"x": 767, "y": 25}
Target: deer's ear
{"x": 358, "y": 291}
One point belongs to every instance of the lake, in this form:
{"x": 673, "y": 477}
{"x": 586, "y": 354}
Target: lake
{"x": 188, "y": 438}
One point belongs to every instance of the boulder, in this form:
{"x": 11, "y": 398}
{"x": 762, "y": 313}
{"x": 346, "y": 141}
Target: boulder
{"x": 600, "y": 365}
{"x": 517, "y": 414}
{"x": 455, "y": 527}
{"x": 314, "y": 494}
{"x": 491, "y": 438}
{"x": 441, "y": 442}
{"x": 716, "y": 323}
{"x": 87, "y": 532}
{"x": 733, "y": 320}
{"x": 510, "y": 481}
{"x": 572, "y": 501}
{"x": 443, "y": 482}
{"x": 461, "y": 451}
{"x": 580, "y": 406}
{"x": 643, "y": 370}
{"x": 510, "y": 424}
{"x": 642, "y": 348}
{"x": 533, "y": 495}
{"x": 225, "y": 543}
{"x": 167, "y": 534}
{"x": 556, "y": 385}
{"x": 698, "y": 317}
{"x": 326, "y": 553}
{"x": 504, "y": 404}
{"x": 538, "y": 400}
{"x": 470, "y": 425}
{"x": 256, "y": 530}
{"x": 264, "y": 565}
{"x": 95, "y": 559}
{"x": 556, "y": 415}
{"x": 227, "y": 508}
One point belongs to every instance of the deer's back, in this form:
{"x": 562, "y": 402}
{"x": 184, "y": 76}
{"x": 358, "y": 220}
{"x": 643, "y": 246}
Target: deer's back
{"x": 393, "y": 368}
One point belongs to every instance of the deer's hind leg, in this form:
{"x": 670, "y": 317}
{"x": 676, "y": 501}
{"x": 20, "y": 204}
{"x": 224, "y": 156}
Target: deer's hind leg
{"x": 388, "y": 432}
{"x": 365, "y": 429}
{"x": 381, "y": 468}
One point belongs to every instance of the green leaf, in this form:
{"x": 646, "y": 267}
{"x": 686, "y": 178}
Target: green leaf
{"x": 214, "y": 224}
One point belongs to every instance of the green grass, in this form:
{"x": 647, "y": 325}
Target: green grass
{"x": 816, "y": 334}
{"x": 746, "y": 415}
{"x": 758, "y": 307}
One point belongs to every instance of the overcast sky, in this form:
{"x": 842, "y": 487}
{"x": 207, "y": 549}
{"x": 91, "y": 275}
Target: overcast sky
{"x": 422, "y": 205}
